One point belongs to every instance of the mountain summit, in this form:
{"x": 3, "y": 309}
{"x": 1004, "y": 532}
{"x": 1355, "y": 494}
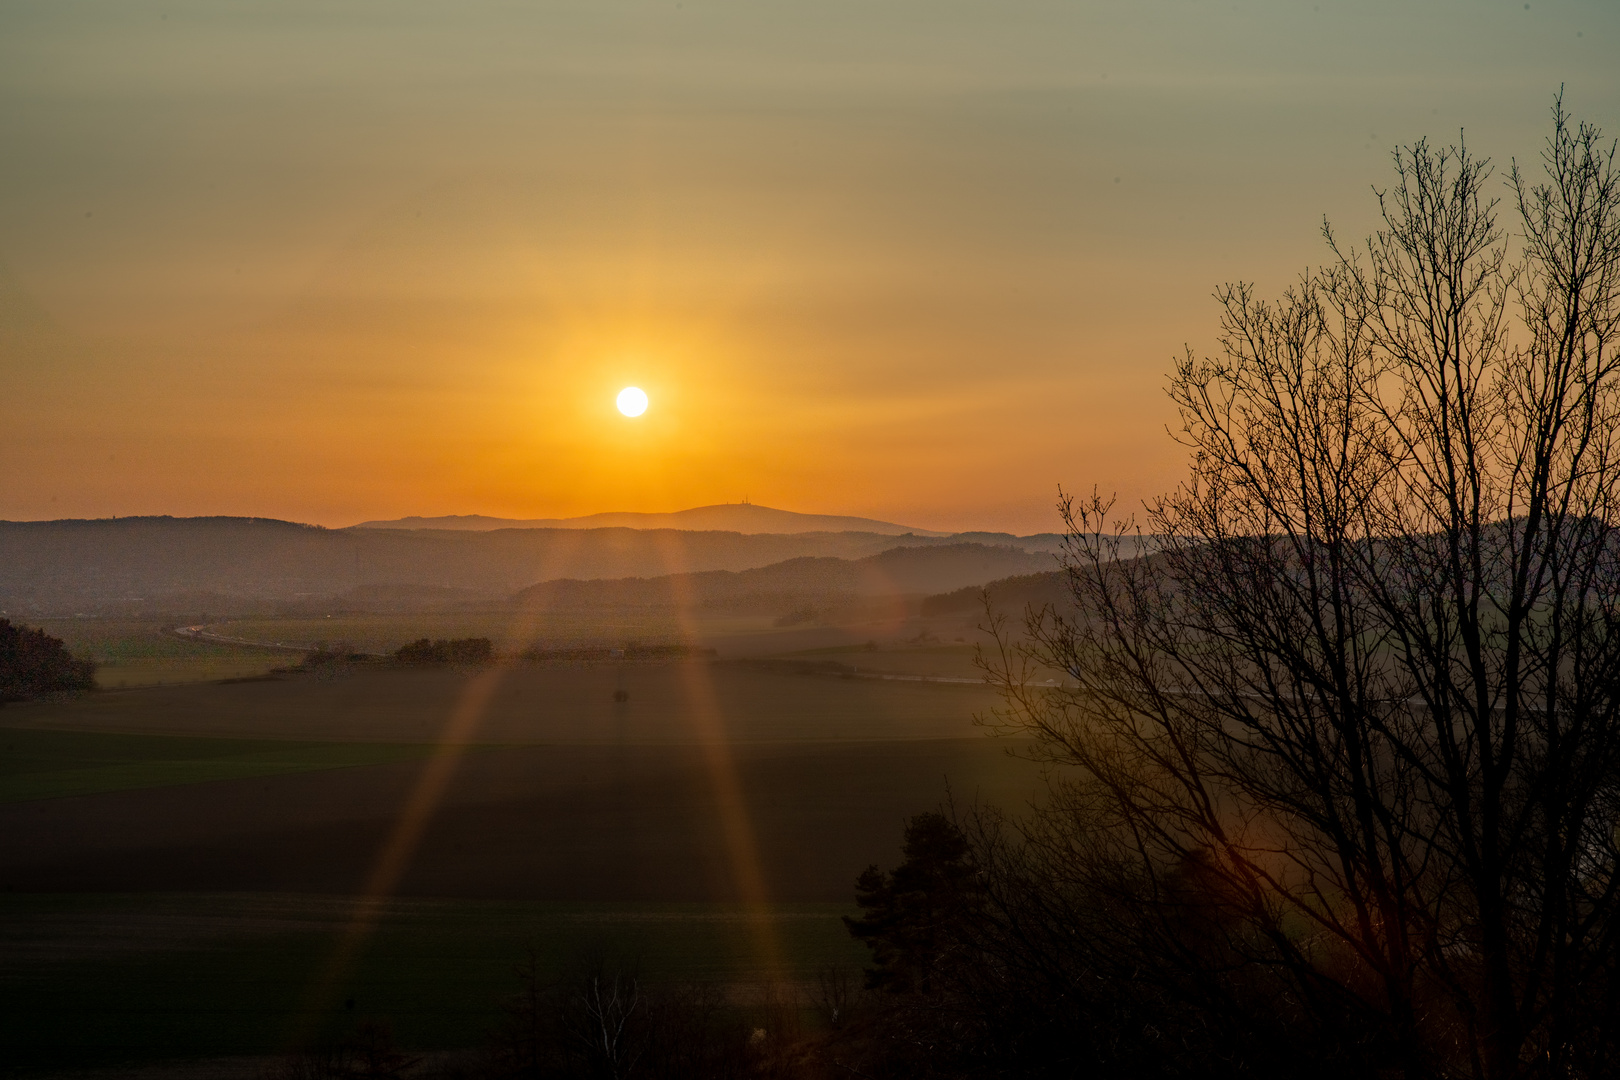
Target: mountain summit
{"x": 726, "y": 517}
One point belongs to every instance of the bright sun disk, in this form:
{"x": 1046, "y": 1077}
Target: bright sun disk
{"x": 632, "y": 401}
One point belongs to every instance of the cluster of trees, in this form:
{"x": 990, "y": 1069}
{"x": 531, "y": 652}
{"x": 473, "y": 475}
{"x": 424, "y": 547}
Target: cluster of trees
{"x": 425, "y": 652}
{"x": 33, "y": 662}
{"x": 1335, "y": 770}
{"x": 327, "y": 655}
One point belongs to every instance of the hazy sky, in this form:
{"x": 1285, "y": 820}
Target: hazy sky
{"x": 922, "y": 261}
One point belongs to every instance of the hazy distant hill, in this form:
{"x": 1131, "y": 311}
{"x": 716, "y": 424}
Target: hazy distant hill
{"x": 1013, "y": 594}
{"x": 175, "y": 565}
{"x": 728, "y": 517}
{"x": 901, "y": 571}
{"x": 1010, "y": 596}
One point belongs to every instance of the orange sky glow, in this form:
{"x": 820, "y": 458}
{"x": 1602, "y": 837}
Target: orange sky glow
{"x": 921, "y": 262}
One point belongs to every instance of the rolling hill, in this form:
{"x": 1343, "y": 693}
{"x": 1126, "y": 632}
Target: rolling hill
{"x": 807, "y": 581}
{"x": 165, "y": 565}
{"x": 1012, "y": 595}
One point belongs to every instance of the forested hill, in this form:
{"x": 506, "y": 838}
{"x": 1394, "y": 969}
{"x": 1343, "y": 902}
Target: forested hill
{"x": 154, "y": 564}
{"x": 808, "y": 580}
{"x": 1013, "y": 594}
{"x": 1009, "y": 596}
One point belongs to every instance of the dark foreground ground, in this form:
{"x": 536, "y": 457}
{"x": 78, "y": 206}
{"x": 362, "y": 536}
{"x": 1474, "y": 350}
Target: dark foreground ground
{"x": 147, "y": 982}
{"x": 178, "y": 867}
{"x": 606, "y": 823}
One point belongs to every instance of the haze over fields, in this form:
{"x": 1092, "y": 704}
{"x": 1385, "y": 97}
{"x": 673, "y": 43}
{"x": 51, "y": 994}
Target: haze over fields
{"x": 252, "y": 795}
{"x": 166, "y": 565}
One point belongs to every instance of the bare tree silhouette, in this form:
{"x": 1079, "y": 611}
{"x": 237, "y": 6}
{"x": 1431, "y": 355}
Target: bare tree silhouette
{"x": 1364, "y": 697}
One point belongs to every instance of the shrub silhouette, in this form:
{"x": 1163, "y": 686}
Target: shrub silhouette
{"x": 32, "y": 663}
{"x": 426, "y": 653}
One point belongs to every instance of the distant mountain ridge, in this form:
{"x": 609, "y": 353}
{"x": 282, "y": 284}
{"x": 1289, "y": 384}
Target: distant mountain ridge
{"x": 745, "y": 518}
{"x": 193, "y": 565}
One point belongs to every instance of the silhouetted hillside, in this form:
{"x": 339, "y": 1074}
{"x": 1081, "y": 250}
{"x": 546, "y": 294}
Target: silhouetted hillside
{"x": 1010, "y": 595}
{"x": 900, "y": 571}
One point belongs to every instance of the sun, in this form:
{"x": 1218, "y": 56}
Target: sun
{"x": 632, "y": 401}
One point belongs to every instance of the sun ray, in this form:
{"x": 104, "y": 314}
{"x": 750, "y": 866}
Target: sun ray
{"x": 394, "y": 856}
{"x": 709, "y": 731}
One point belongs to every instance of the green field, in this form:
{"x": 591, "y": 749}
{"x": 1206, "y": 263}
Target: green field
{"x": 45, "y": 764}
{"x": 138, "y": 652}
{"x": 534, "y": 703}
{"x": 178, "y": 860}
{"x": 168, "y": 671}
{"x": 510, "y": 630}
{"x": 114, "y": 979}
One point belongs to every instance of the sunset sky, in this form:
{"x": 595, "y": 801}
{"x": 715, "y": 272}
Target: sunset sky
{"x": 921, "y": 261}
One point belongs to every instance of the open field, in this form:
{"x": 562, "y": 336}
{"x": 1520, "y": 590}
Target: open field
{"x": 507, "y": 628}
{"x": 511, "y": 630}
{"x": 124, "y": 641}
{"x": 45, "y": 764}
{"x": 140, "y": 652}
{"x": 145, "y": 652}
{"x": 530, "y": 703}
{"x": 169, "y": 671}
{"x": 95, "y": 980}
{"x": 177, "y": 862}
{"x": 592, "y": 822}
{"x": 929, "y": 659}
